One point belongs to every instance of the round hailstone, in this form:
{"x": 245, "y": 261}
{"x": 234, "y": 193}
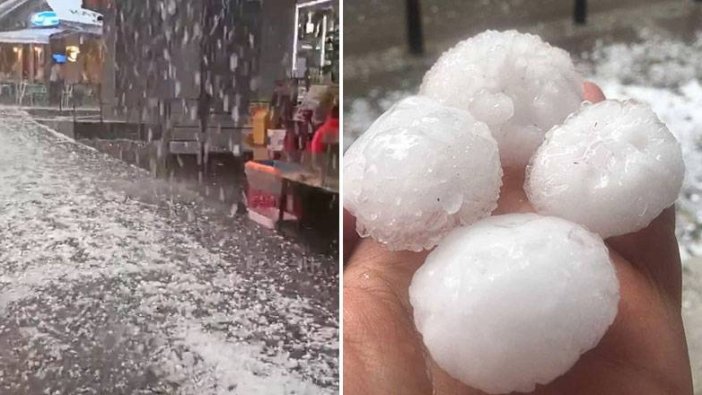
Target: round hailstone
{"x": 516, "y": 83}
{"x": 514, "y": 300}
{"x": 419, "y": 171}
{"x": 613, "y": 167}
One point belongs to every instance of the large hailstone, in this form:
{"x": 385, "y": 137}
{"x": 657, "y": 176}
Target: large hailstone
{"x": 613, "y": 167}
{"x": 516, "y": 83}
{"x": 514, "y": 300}
{"x": 419, "y": 171}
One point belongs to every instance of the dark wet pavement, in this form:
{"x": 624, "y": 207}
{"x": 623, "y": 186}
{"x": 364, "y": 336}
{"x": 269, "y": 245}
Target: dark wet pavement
{"x": 222, "y": 184}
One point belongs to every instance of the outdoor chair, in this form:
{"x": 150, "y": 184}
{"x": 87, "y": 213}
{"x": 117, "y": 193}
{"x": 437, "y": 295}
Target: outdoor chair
{"x": 7, "y": 89}
{"x": 21, "y": 91}
{"x": 67, "y": 96}
{"x": 7, "y": 92}
{"x": 37, "y": 94}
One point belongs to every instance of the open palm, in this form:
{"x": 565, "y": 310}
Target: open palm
{"x": 643, "y": 352}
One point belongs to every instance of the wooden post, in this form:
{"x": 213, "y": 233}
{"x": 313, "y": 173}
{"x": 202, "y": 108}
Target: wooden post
{"x": 73, "y": 99}
{"x": 32, "y": 66}
{"x": 415, "y": 35}
{"x": 102, "y": 116}
{"x": 580, "y": 13}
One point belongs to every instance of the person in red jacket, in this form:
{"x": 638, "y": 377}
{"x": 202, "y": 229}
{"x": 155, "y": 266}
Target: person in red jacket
{"x": 327, "y": 133}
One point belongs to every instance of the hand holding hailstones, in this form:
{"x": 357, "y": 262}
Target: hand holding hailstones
{"x": 508, "y": 302}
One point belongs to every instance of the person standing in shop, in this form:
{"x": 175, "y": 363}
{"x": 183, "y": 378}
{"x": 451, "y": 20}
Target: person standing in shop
{"x": 326, "y": 135}
{"x": 55, "y": 84}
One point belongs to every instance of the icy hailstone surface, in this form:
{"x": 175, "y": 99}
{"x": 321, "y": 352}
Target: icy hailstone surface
{"x": 613, "y": 167}
{"x": 514, "y": 300}
{"x": 419, "y": 171}
{"x": 516, "y": 83}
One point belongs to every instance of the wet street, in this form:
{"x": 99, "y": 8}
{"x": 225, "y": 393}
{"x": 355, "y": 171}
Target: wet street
{"x": 114, "y": 282}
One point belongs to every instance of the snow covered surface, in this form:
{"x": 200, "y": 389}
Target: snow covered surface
{"x": 664, "y": 73}
{"x": 612, "y": 167}
{"x": 411, "y": 204}
{"x": 516, "y": 83}
{"x": 112, "y": 281}
{"x": 479, "y": 303}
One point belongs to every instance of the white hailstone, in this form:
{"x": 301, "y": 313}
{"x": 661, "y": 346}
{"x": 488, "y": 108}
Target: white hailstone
{"x": 516, "y": 83}
{"x": 514, "y": 300}
{"x": 613, "y": 168}
{"x": 419, "y": 171}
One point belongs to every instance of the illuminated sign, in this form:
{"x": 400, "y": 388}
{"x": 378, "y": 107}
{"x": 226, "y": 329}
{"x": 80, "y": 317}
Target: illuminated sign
{"x": 45, "y": 19}
{"x": 72, "y": 53}
{"x": 73, "y": 12}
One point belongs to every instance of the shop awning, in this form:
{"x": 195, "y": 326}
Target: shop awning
{"x": 28, "y": 36}
{"x": 68, "y": 29}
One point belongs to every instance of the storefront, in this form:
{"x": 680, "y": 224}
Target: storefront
{"x": 196, "y": 88}
{"x": 294, "y": 174}
{"x": 24, "y": 54}
{"x": 81, "y": 56}
{"x": 50, "y": 51}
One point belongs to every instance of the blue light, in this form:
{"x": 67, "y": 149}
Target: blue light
{"x": 59, "y": 58}
{"x": 45, "y": 19}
